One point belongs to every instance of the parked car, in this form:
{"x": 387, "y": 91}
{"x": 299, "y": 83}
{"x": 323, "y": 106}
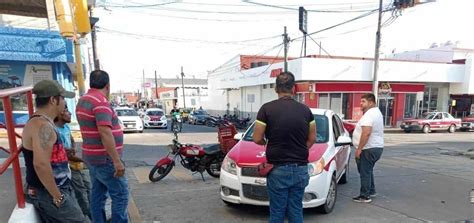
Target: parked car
{"x": 467, "y": 123}
{"x": 432, "y": 121}
{"x": 328, "y": 165}
{"x": 130, "y": 119}
{"x": 198, "y": 117}
{"x": 155, "y": 118}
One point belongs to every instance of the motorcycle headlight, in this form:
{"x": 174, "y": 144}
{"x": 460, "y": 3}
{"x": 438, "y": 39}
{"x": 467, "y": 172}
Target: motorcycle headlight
{"x": 316, "y": 168}
{"x": 229, "y": 166}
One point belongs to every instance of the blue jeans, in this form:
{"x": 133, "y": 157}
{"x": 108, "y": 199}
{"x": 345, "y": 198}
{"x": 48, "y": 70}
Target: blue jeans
{"x": 365, "y": 166}
{"x": 82, "y": 189}
{"x": 103, "y": 182}
{"x": 68, "y": 211}
{"x": 286, "y": 186}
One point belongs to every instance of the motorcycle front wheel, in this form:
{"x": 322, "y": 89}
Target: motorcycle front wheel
{"x": 159, "y": 172}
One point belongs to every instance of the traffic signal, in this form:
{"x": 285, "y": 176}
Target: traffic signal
{"x": 64, "y": 18}
{"x": 81, "y": 16}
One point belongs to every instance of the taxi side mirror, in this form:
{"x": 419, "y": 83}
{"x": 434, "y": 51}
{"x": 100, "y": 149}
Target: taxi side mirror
{"x": 238, "y": 136}
{"x": 343, "y": 141}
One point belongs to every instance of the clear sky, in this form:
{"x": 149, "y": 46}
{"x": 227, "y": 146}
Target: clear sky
{"x": 203, "y": 34}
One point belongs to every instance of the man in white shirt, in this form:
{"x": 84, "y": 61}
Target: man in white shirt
{"x": 368, "y": 141}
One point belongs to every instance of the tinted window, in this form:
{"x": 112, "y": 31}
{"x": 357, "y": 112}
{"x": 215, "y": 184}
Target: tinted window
{"x": 335, "y": 128}
{"x": 429, "y": 115}
{"x": 200, "y": 113}
{"x": 322, "y": 130}
{"x": 154, "y": 113}
{"x": 126, "y": 112}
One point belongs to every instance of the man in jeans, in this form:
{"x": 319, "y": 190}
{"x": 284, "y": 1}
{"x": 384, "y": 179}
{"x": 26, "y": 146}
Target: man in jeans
{"x": 102, "y": 149}
{"x": 290, "y": 129}
{"x": 47, "y": 172}
{"x": 368, "y": 141}
{"x": 79, "y": 178}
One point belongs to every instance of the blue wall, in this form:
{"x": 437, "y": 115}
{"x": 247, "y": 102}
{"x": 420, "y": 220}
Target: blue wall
{"x": 28, "y": 46}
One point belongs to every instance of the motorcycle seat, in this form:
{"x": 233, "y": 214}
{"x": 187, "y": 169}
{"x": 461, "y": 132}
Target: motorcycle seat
{"x": 212, "y": 149}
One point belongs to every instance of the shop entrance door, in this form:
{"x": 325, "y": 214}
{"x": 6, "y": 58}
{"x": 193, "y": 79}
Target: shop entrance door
{"x": 386, "y": 107}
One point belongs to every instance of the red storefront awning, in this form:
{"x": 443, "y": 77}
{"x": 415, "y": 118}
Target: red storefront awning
{"x": 356, "y": 87}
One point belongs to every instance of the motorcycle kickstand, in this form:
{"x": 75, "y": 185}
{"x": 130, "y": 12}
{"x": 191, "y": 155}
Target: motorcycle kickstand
{"x": 202, "y": 176}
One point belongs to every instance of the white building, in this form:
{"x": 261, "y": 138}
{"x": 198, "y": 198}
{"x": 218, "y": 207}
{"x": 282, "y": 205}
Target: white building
{"x": 195, "y": 92}
{"x": 408, "y": 88}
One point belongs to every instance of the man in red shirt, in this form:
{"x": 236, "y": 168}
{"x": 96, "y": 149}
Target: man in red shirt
{"x": 102, "y": 149}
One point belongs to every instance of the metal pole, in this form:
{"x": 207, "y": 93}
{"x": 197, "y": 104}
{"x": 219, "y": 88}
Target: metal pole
{"x": 285, "y": 43}
{"x": 304, "y": 45}
{"x": 143, "y": 83}
{"x": 375, "y": 83}
{"x": 14, "y": 151}
{"x": 182, "y": 85}
{"x": 94, "y": 46}
{"x": 156, "y": 86}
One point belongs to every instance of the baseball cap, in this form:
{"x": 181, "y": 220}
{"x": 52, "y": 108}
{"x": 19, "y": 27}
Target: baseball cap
{"x": 50, "y": 88}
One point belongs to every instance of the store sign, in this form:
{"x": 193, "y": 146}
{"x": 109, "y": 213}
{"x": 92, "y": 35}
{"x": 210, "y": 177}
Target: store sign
{"x": 147, "y": 85}
{"x": 250, "y": 98}
{"x": 18, "y": 74}
{"x": 276, "y": 72}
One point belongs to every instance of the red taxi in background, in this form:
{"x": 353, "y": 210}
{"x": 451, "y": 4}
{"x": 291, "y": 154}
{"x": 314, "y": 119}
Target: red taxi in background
{"x": 467, "y": 123}
{"x": 432, "y": 121}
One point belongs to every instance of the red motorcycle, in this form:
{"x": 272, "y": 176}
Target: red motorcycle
{"x": 192, "y": 157}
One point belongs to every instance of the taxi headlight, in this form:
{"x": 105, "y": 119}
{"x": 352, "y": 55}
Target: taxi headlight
{"x": 316, "y": 168}
{"x": 229, "y": 166}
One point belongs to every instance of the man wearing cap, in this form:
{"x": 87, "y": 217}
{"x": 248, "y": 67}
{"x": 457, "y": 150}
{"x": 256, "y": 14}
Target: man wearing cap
{"x": 47, "y": 172}
{"x": 102, "y": 149}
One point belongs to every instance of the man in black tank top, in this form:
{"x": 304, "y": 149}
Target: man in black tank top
{"x": 47, "y": 169}
{"x": 290, "y": 130}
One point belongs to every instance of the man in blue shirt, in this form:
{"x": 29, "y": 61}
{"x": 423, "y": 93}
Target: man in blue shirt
{"x": 79, "y": 177}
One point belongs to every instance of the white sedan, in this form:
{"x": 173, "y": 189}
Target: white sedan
{"x": 328, "y": 165}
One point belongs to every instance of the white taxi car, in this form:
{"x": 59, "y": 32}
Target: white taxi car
{"x": 155, "y": 118}
{"x": 328, "y": 165}
{"x": 131, "y": 121}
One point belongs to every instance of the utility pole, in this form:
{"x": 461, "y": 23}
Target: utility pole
{"x": 182, "y": 85}
{"x": 156, "y": 86}
{"x": 143, "y": 83}
{"x": 375, "y": 82}
{"x": 94, "y": 41}
{"x": 286, "y": 42}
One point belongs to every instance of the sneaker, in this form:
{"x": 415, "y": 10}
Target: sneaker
{"x": 373, "y": 195}
{"x": 361, "y": 199}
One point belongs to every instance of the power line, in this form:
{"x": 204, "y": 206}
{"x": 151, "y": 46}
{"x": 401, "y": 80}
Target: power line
{"x": 309, "y": 10}
{"x": 269, "y": 65}
{"x": 200, "y": 19}
{"x": 221, "y": 69}
{"x": 136, "y": 6}
{"x": 175, "y": 39}
{"x": 319, "y": 46}
{"x": 343, "y": 23}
